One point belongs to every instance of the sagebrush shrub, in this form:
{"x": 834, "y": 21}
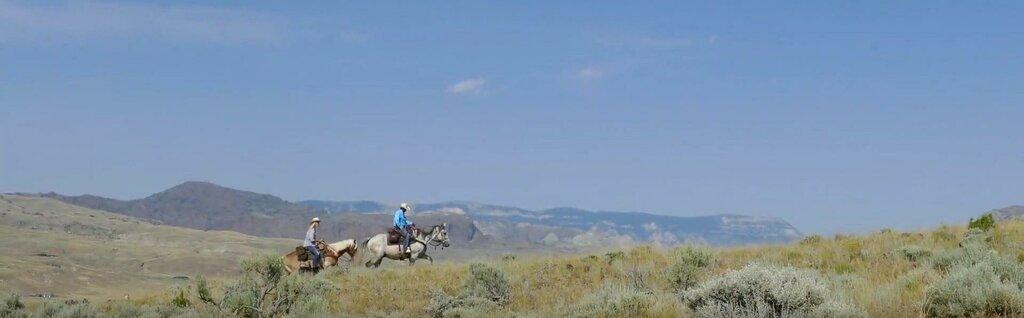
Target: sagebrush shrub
{"x": 311, "y": 307}
{"x": 912, "y": 253}
{"x": 613, "y": 301}
{"x": 443, "y": 305}
{"x": 980, "y": 282}
{"x": 483, "y": 293}
{"x": 811, "y": 239}
{"x": 263, "y": 291}
{"x": 977, "y": 290}
{"x": 973, "y": 249}
{"x": 487, "y": 282}
{"x": 760, "y": 290}
{"x": 12, "y": 307}
{"x": 81, "y": 310}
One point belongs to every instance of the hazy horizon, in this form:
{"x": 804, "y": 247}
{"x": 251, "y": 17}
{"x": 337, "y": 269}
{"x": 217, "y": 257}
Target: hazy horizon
{"x": 833, "y": 117}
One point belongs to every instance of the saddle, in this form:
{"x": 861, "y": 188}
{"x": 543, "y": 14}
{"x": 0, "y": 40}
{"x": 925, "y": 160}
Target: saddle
{"x": 395, "y": 236}
{"x": 305, "y": 258}
{"x": 303, "y": 254}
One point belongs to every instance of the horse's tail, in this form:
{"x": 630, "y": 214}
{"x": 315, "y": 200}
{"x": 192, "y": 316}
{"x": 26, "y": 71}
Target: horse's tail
{"x": 360, "y": 248}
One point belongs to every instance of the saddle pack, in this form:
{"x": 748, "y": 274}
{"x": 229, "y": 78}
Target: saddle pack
{"x": 394, "y": 236}
{"x": 303, "y": 254}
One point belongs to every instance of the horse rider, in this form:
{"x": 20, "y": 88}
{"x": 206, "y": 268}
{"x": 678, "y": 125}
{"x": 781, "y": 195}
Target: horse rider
{"x": 310, "y": 242}
{"x": 403, "y": 225}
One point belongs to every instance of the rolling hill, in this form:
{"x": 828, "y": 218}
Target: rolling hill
{"x": 48, "y": 247}
{"x": 207, "y": 206}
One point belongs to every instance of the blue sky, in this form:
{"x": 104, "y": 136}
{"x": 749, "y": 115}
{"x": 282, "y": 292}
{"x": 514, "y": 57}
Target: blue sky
{"x": 837, "y": 117}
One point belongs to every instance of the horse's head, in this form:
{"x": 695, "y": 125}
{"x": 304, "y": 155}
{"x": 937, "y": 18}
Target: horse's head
{"x": 442, "y": 234}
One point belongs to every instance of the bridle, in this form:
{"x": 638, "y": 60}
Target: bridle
{"x": 433, "y": 240}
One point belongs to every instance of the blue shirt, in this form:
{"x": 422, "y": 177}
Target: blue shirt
{"x": 400, "y": 220}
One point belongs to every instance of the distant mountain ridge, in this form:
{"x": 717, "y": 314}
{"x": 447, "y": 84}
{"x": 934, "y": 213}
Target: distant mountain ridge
{"x": 568, "y": 224}
{"x": 207, "y": 206}
{"x": 1007, "y": 213}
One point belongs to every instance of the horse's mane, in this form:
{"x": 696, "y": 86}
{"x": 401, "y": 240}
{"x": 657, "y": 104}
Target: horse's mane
{"x": 431, "y": 230}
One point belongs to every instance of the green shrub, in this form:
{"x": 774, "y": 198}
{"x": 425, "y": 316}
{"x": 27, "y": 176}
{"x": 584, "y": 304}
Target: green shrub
{"x": 181, "y": 298}
{"x": 682, "y": 276}
{"x": 126, "y": 309}
{"x": 977, "y": 290}
{"x": 613, "y": 301}
{"x": 299, "y": 290}
{"x": 263, "y": 291}
{"x": 985, "y": 222}
{"x": 443, "y": 305}
{"x": 166, "y": 311}
{"x": 912, "y": 253}
{"x": 487, "y": 282}
{"x": 81, "y": 310}
{"x": 314, "y": 306}
{"x": 49, "y": 309}
{"x": 689, "y": 265}
{"x": 759, "y": 290}
{"x": 483, "y": 293}
{"x": 203, "y": 290}
{"x": 12, "y": 307}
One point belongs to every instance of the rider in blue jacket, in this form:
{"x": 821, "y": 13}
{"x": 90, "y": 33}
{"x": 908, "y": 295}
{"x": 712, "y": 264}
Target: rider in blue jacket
{"x": 403, "y": 225}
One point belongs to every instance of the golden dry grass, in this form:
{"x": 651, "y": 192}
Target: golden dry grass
{"x": 867, "y": 269}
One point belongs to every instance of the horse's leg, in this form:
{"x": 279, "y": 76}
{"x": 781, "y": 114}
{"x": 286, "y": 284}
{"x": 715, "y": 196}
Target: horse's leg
{"x": 427, "y": 257}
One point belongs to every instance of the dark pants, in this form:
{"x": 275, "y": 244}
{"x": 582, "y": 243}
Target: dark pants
{"x": 316, "y": 255}
{"x": 406, "y": 236}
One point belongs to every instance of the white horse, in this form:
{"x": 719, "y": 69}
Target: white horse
{"x": 377, "y": 246}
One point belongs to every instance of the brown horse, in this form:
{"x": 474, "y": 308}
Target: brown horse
{"x": 291, "y": 260}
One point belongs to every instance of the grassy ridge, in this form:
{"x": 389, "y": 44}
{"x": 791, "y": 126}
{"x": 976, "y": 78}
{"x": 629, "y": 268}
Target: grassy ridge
{"x": 54, "y": 248}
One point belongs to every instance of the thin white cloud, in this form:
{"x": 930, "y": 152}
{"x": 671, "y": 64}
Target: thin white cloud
{"x": 472, "y": 85}
{"x": 590, "y": 73}
{"x": 70, "y": 21}
{"x": 655, "y": 42}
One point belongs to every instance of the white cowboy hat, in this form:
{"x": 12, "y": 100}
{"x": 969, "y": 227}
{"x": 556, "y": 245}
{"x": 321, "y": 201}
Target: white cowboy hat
{"x": 405, "y": 206}
{"x": 315, "y": 219}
